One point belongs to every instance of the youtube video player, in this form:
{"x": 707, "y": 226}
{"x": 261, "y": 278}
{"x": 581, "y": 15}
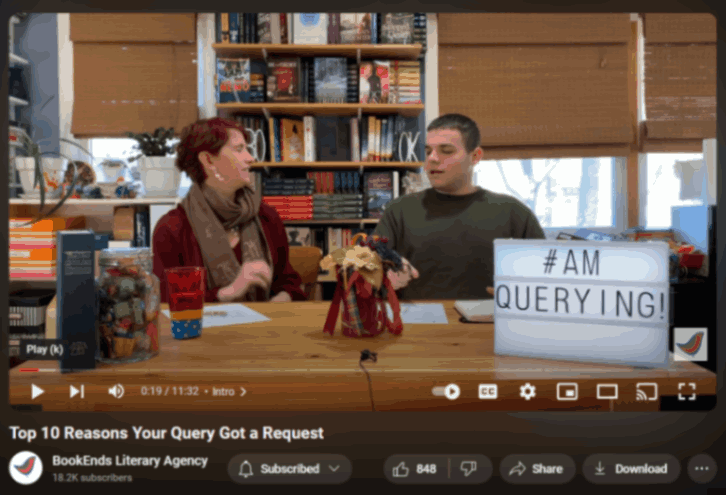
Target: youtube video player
{"x": 363, "y": 250}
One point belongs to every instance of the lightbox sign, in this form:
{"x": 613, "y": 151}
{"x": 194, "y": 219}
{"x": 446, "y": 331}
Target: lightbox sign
{"x": 590, "y": 301}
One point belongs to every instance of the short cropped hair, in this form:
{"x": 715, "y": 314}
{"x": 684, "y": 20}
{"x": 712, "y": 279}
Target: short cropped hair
{"x": 467, "y": 128}
{"x": 208, "y": 135}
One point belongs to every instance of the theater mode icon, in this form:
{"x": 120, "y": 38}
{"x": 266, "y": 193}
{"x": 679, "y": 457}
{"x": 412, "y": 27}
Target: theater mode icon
{"x": 607, "y": 391}
{"x": 26, "y": 467}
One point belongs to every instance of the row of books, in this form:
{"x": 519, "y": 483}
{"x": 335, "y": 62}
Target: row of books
{"x": 330, "y": 195}
{"x": 33, "y": 247}
{"x": 321, "y": 28}
{"x": 317, "y": 80}
{"x": 318, "y": 207}
{"x": 333, "y": 139}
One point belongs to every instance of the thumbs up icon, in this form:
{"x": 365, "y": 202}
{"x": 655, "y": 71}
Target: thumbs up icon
{"x": 400, "y": 471}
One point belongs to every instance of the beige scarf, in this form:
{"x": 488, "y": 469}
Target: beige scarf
{"x": 204, "y": 208}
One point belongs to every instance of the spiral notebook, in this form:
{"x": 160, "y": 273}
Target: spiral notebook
{"x": 479, "y": 311}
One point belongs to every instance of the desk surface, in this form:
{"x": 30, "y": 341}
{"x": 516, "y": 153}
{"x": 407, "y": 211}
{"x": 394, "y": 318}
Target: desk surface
{"x": 288, "y": 363}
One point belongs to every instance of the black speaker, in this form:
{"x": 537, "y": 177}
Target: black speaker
{"x": 17, "y": 85}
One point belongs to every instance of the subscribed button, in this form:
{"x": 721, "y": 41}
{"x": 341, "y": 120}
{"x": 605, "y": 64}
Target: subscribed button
{"x": 631, "y": 469}
{"x": 469, "y": 469}
{"x": 538, "y": 469}
{"x": 289, "y": 469}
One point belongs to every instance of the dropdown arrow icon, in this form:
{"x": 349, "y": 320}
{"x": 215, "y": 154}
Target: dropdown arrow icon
{"x": 333, "y": 469}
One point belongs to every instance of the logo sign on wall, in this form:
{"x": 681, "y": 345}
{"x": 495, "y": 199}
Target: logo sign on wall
{"x": 593, "y": 301}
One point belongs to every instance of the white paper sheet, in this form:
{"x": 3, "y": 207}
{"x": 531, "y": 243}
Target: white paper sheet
{"x": 426, "y": 314}
{"x": 236, "y": 314}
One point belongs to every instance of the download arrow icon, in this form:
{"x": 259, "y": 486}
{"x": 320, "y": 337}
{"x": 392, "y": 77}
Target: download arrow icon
{"x": 599, "y": 470}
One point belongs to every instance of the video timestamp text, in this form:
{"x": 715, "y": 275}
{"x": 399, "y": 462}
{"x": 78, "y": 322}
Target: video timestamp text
{"x": 165, "y": 390}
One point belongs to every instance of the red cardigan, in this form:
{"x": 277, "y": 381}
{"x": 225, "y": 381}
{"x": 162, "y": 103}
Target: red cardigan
{"x": 174, "y": 244}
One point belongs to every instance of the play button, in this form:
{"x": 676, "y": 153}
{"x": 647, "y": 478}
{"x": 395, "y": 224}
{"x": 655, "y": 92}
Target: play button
{"x": 36, "y": 391}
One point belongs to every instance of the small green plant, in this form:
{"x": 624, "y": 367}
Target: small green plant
{"x": 157, "y": 144}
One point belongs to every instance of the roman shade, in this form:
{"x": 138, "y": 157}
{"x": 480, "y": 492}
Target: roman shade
{"x": 680, "y": 76}
{"x": 539, "y": 80}
{"x": 133, "y": 73}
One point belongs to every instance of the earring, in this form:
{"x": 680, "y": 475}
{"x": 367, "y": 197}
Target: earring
{"x": 216, "y": 173}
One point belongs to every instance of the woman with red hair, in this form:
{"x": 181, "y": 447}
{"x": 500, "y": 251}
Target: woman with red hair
{"x": 222, "y": 225}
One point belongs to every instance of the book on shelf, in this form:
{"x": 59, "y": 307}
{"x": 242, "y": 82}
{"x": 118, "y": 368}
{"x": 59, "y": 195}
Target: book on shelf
{"x": 293, "y": 140}
{"x": 331, "y": 79}
{"x": 333, "y": 139}
{"x": 397, "y": 28}
{"x": 334, "y": 29}
{"x": 283, "y": 80}
{"x": 240, "y": 80}
{"x": 299, "y": 236}
{"x": 234, "y": 27}
{"x": 419, "y": 30}
{"x": 223, "y": 28}
{"x": 310, "y": 29}
{"x": 264, "y": 31}
{"x": 379, "y": 192}
{"x": 355, "y": 29}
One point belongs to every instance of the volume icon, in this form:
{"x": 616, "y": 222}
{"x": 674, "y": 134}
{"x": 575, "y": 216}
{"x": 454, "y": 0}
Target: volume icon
{"x": 117, "y": 391}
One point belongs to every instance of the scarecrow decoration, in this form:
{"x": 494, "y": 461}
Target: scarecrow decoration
{"x": 363, "y": 288}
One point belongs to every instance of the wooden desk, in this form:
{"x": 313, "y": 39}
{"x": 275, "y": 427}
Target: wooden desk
{"x": 289, "y": 364}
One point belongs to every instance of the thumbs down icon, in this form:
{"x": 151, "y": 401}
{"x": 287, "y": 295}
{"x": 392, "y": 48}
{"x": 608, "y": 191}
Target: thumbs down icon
{"x": 468, "y": 467}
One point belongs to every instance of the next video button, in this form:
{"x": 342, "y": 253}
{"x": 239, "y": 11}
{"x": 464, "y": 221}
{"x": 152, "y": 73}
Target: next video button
{"x": 289, "y": 469}
{"x": 626, "y": 469}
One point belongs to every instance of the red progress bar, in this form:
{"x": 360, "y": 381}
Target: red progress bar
{"x": 22, "y": 370}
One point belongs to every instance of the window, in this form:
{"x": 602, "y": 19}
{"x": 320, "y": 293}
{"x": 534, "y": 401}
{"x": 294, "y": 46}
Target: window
{"x": 564, "y": 194}
{"x": 662, "y": 187}
{"x": 123, "y": 149}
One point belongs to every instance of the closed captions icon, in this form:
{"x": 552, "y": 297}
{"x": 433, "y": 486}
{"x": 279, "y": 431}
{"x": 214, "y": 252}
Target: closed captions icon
{"x": 488, "y": 391}
{"x": 26, "y": 467}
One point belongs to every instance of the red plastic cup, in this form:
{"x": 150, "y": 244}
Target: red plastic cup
{"x": 186, "y": 286}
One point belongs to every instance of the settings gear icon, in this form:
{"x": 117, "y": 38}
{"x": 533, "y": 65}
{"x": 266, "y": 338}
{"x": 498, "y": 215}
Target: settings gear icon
{"x": 527, "y": 391}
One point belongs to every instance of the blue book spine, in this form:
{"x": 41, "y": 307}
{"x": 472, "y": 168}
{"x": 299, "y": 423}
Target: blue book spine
{"x": 76, "y": 299}
{"x": 337, "y": 183}
{"x": 234, "y": 27}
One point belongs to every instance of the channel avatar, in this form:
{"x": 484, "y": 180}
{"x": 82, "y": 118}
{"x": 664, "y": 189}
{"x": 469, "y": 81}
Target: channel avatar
{"x": 691, "y": 344}
{"x": 26, "y": 467}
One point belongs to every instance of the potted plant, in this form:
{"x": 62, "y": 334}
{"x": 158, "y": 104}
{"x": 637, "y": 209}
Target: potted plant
{"x": 47, "y": 173}
{"x": 156, "y": 166}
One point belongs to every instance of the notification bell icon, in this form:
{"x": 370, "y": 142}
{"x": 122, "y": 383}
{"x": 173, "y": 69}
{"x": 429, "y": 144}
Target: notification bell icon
{"x": 245, "y": 469}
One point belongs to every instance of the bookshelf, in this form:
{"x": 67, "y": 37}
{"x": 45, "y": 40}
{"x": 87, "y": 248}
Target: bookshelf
{"x": 358, "y": 52}
{"x": 411, "y": 165}
{"x": 256, "y": 50}
{"x": 302, "y": 109}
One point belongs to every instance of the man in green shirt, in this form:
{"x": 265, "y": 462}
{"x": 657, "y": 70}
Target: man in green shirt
{"x": 447, "y": 232}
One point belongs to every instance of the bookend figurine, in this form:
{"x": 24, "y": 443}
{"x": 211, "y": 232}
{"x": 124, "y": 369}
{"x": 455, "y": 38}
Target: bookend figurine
{"x": 363, "y": 288}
